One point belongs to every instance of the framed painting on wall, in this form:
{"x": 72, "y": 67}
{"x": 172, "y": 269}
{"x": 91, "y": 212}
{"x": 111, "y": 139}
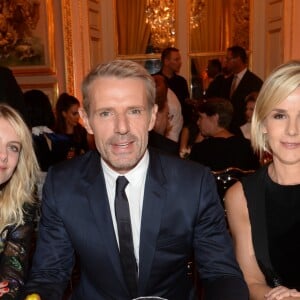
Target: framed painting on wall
{"x": 27, "y": 36}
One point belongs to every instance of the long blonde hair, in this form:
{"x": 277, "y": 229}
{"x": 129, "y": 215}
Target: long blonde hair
{"x": 19, "y": 189}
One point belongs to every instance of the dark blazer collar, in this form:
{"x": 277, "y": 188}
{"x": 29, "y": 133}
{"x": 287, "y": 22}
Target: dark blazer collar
{"x": 154, "y": 195}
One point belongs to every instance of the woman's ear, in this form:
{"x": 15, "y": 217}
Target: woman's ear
{"x": 264, "y": 129}
{"x": 85, "y": 119}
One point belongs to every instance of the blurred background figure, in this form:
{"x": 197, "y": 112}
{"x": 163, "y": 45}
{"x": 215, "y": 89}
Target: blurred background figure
{"x": 175, "y": 119}
{"x": 50, "y": 148}
{"x": 11, "y": 93}
{"x": 239, "y": 84}
{"x": 220, "y": 148}
{"x": 250, "y": 103}
{"x": 214, "y": 72}
{"x": 190, "y": 135}
{"x": 170, "y": 67}
{"x": 67, "y": 123}
{"x": 157, "y": 136}
{"x": 19, "y": 171}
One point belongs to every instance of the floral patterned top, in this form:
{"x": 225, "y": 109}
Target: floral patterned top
{"x": 15, "y": 247}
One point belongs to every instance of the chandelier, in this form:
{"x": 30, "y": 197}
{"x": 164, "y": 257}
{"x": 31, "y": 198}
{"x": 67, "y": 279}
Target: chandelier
{"x": 197, "y": 11}
{"x": 160, "y": 15}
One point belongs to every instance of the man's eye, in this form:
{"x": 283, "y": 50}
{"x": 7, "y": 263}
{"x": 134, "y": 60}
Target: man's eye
{"x": 135, "y": 111}
{"x": 104, "y": 114}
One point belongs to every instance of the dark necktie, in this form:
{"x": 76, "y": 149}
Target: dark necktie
{"x": 233, "y": 85}
{"x": 127, "y": 257}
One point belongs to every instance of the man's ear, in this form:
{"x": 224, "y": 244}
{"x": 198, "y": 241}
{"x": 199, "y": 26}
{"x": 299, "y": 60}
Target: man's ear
{"x": 85, "y": 119}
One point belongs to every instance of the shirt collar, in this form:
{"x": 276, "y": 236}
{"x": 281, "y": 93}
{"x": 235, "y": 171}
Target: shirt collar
{"x": 133, "y": 175}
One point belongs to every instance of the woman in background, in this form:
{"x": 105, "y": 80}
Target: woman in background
{"x": 263, "y": 210}
{"x": 221, "y": 149}
{"x": 18, "y": 175}
{"x": 67, "y": 123}
{"x": 250, "y": 103}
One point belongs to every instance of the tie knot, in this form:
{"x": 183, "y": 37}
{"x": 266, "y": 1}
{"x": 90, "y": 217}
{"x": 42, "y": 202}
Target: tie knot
{"x": 121, "y": 183}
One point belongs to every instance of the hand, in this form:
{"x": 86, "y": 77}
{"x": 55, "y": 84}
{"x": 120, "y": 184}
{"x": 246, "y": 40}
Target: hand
{"x": 3, "y": 288}
{"x": 282, "y": 292}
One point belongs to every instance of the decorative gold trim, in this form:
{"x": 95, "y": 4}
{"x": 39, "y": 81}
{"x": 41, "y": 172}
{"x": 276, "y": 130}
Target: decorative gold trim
{"x": 68, "y": 45}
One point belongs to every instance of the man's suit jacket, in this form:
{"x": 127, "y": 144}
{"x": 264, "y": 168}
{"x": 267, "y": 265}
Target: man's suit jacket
{"x": 248, "y": 84}
{"x": 181, "y": 212}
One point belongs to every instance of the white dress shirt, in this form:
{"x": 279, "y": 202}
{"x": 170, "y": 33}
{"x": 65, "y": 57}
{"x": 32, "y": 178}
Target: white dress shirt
{"x": 135, "y": 194}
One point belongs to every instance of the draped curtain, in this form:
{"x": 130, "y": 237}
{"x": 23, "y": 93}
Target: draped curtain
{"x": 212, "y": 35}
{"x": 133, "y": 32}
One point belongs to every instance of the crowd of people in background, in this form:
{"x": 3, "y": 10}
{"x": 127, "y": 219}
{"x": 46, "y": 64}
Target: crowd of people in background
{"x": 239, "y": 121}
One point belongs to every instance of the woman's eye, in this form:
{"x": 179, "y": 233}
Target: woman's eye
{"x": 14, "y": 148}
{"x": 279, "y": 116}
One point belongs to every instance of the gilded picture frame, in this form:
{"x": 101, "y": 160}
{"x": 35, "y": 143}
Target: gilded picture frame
{"x": 27, "y": 36}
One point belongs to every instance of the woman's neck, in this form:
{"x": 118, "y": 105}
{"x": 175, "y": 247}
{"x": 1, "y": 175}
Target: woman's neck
{"x": 223, "y": 133}
{"x": 69, "y": 129}
{"x": 284, "y": 174}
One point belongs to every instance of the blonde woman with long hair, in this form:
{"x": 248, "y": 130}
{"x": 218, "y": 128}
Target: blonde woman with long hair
{"x": 18, "y": 175}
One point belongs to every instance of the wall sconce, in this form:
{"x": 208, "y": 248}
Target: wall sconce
{"x": 160, "y": 15}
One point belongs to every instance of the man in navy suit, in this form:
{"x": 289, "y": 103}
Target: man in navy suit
{"x": 239, "y": 85}
{"x": 175, "y": 211}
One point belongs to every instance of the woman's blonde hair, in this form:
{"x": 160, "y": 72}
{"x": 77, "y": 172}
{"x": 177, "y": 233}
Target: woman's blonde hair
{"x": 276, "y": 88}
{"x": 19, "y": 189}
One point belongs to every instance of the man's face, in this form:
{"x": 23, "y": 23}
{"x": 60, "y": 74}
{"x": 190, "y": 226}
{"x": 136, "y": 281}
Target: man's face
{"x": 120, "y": 119}
{"x": 233, "y": 64}
{"x": 174, "y": 61}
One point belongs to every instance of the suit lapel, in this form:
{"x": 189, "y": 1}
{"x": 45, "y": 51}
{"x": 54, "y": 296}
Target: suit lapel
{"x": 154, "y": 195}
{"x": 100, "y": 210}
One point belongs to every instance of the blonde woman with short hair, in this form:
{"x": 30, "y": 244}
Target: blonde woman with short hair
{"x": 263, "y": 209}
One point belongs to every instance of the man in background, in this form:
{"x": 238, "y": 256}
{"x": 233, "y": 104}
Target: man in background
{"x": 170, "y": 67}
{"x": 240, "y": 84}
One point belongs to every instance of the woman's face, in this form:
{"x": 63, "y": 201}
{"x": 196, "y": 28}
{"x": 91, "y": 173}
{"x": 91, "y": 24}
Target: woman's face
{"x": 282, "y": 129}
{"x": 207, "y": 124}
{"x": 72, "y": 115}
{"x": 10, "y": 147}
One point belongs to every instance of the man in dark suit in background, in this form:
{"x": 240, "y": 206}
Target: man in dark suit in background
{"x": 239, "y": 85}
{"x": 11, "y": 93}
{"x": 172, "y": 211}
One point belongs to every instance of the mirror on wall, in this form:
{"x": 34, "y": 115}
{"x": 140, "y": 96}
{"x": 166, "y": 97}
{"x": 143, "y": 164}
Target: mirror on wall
{"x": 144, "y": 27}
{"x": 214, "y": 26}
